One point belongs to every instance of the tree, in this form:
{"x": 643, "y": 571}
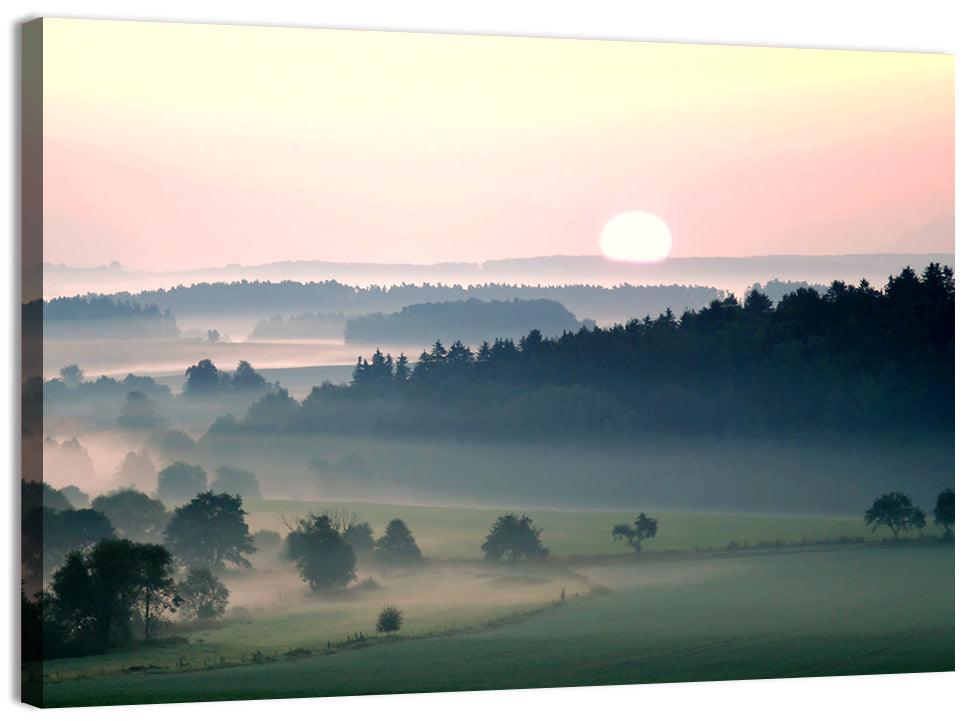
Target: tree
{"x": 71, "y": 375}
{"x": 95, "y": 593}
{"x": 177, "y": 446}
{"x": 944, "y": 511}
{"x": 203, "y": 379}
{"x": 209, "y": 531}
{"x": 514, "y": 536}
{"x": 134, "y": 514}
{"x": 398, "y": 545}
{"x": 139, "y": 413}
{"x": 643, "y": 527}
{"x": 323, "y": 558}
{"x": 136, "y": 470}
{"x": 157, "y": 591}
{"x": 180, "y": 481}
{"x": 70, "y": 530}
{"x": 265, "y": 540}
{"x": 389, "y": 620}
{"x": 896, "y": 511}
{"x": 234, "y": 480}
{"x": 202, "y": 595}
{"x": 247, "y": 380}
{"x": 76, "y": 497}
{"x": 359, "y": 536}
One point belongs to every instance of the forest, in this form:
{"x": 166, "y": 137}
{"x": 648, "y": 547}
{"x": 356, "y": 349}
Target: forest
{"x": 254, "y": 297}
{"x": 853, "y": 359}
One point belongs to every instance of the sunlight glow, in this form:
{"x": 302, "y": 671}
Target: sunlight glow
{"x": 636, "y": 236}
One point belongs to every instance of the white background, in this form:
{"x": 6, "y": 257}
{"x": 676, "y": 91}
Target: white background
{"x": 920, "y": 26}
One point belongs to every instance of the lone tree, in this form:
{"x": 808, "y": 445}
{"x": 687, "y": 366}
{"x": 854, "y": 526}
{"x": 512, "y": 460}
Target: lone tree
{"x": 389, "y": 620}
{"x": 210, "y": 531}
{"x": 944, "y": 511}
{"x": 202, "y": 595}
{"x": 896, "y": 511}
{"x": 180, "y": 481}
{"x": 514, "y": 536}
{"x": 398, "y": 545}
{"x": 643, "y": 527}
{"x": 323, "y": 558}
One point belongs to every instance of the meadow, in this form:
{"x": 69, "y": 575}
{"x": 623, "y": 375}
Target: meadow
{"x": 674, "y": 613}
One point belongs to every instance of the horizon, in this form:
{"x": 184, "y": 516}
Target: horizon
{"x": 116, "y": 265}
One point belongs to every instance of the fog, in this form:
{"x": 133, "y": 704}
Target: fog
{"x": 730, "y": 274}
{"x": 762, "y": 472}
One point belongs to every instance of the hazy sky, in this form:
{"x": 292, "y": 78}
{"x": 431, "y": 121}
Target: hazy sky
{"x": 173, "y": 146}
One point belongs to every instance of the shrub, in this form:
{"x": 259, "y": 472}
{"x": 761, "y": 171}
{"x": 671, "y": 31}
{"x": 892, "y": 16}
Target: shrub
{"x": 389, "y": 620}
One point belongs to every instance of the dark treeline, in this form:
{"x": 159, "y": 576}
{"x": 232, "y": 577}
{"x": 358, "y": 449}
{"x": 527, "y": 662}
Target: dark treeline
{"x": 468, "y": 319}
{"x": 253, "y": 297}
{"x": 849, "y": 360}
{"x": 84, "y": 315}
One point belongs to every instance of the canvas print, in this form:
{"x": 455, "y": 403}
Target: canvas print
{"x": 380, "y": 362}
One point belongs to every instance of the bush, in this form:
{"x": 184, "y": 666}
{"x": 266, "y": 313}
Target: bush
{"x": 389, "y": 620}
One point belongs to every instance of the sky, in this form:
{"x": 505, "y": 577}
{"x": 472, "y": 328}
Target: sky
{"x": 170, "y": 146}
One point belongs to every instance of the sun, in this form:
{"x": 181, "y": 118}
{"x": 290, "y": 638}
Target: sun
{"x": 636, "y": 236}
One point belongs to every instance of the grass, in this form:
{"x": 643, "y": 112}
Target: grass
{"x": 457, "y": 533}
{"x": 837, "y": 612}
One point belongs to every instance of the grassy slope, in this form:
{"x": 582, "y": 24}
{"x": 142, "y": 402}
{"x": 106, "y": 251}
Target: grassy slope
{"x": 843, "y": 611}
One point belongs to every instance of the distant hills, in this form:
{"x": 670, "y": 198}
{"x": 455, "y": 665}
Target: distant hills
{"x": 729, "y": 274}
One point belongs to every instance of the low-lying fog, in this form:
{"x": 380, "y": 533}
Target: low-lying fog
{"x": 665, "y": 473}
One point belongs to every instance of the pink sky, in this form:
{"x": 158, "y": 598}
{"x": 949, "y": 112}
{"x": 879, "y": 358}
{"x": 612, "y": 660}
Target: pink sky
{"x": 173, "y": 146}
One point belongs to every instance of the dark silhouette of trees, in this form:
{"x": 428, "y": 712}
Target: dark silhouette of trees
{"x": 203, "y": 596}
{"x": 204, "y": 379}
{"x": 895, "y": 511}
{"x": 473, "y": 319}
{"x": 236, "y": 481}
{"x": 180, "y": 481}
{"x": 847, "y": 359}
{"x": 323, "y": 558}
{"x": 944, "y": 511}
{"x": 71, "y": 375}
{"x": 359, "y": 536}
{"x": 397, "y": 545}
{"x": 389, "y": 620}
{"x": 76, "y": 497}
{"x": 515, "y": 537}
{"x": 69, "y": 530}
{"x": 246, "y": 380}
{"x": 210, "y": 531}
{"x": 95, "y": 594}
{"x": 134, "y": 514}
{"x": 641, "y": 529}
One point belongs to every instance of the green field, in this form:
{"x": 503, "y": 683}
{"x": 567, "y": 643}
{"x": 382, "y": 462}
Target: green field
{"x": 817, "y": 610}
{"x": 457, "y": 533}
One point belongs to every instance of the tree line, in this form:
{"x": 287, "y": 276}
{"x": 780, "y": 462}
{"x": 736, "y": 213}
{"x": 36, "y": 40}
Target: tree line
{"x": 330, "y": 296}
{"x": 107, "y": 589}
{"x": 853, "y": 359}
